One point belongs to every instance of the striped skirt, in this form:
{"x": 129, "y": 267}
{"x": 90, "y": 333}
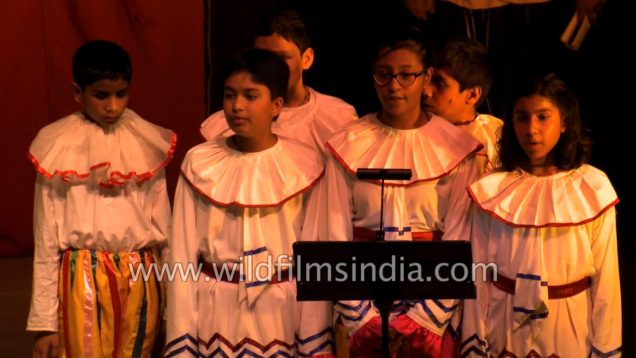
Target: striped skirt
{"x": 104, "y": 312}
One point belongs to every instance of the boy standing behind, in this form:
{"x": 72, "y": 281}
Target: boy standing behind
{"x": 309, "y": 116}
{"x": 460, "y": 80}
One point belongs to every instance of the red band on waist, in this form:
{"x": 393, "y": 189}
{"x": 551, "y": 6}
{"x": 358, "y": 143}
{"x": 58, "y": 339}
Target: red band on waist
{"x": 507, "y": 285}
{"x": 362, "y": 234}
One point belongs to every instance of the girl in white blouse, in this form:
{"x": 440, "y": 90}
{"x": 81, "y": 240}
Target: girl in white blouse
{"x": 547, "y": 220}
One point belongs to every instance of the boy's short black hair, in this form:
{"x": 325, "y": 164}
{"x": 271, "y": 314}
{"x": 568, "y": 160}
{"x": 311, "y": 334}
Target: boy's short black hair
{"x": 467, "y": 62}
{"x": 290, "y": 25}
{"x": 99, "y": 59}
{"x": 264, "y": 67}
{"x": 573, "y": 148}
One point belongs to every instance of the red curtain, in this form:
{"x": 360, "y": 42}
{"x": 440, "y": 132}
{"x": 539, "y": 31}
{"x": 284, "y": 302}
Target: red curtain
{"x": 37, "y": 41}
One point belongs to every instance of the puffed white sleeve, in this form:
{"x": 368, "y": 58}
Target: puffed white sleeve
{"x": 456, "y": 220}
{"x": 182, "y": 292}
{"x": 473, "y": 328}
{"x": 315, "y": 333}
{"x": 436, "y": 315}
{"x": 43, "y": 315}
{"x": 161, "y": 216}
{"x": 338, "y": 210}
{"x": 337, "y": 202}
{"x": 606, "y": 291}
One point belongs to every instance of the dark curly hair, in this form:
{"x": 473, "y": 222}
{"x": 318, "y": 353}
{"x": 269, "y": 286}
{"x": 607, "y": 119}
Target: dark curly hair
{"x": 572, "y": 149}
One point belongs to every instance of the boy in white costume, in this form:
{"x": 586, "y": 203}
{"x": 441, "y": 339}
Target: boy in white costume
{"x": 430, "y": 206}
{"x": 308, "y": 116}
{"x": 459, "y": 84}
{"x": 101, "y": 208}
{"x": 241, "y": 201}
{"x": 547, "y": 220}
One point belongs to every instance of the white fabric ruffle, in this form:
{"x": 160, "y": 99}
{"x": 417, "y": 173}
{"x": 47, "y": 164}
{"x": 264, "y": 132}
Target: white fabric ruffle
{"x": 262, "y": 179}
{"x": 564, "y": 199}
{"x": 487, "y": 130}
{"x": 430, "y": 151}
{"x": 76, "y": 149}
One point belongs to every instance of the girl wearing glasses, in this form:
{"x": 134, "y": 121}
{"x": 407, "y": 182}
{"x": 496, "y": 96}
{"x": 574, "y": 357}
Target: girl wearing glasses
{"x": 430, "y": 206}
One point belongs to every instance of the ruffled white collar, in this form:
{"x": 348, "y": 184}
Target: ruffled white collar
{"x": 564, "y": 199}
{"x": 263, "y": 179}
{"x": 430, "y": 151}
{"x": 77, "y": 149}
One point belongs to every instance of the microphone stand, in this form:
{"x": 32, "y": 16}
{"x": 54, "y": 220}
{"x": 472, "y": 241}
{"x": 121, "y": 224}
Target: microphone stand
{"x": 383, "y": 304}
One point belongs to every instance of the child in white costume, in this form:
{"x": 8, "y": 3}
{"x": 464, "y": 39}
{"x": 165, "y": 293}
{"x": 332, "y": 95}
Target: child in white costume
{"x": 309, "y": 116}
{"x": 432, "y": 205}
{"x": 547, "y": 220}
{"x": 459, "y": 84}
{"x": 460, "y": 81}
{"x": 242, "y": 200}
{"x": 101, "y": 204}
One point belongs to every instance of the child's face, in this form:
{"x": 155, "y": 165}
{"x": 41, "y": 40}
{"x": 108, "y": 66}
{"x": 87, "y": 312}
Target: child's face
{"x": 396, "y": 99}
{"x": 538, "y": 127}
{"x": 103, "y": 101}
{"x": 248, "y": 106}
{"x": 443, "y": 97}
{"x": 297, "y": 61}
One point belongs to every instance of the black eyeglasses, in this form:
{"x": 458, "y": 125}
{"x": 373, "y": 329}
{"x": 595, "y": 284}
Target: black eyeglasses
{"x": 405, "y": 79}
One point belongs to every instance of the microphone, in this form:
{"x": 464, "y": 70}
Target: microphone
{"x": 382, "y": 175}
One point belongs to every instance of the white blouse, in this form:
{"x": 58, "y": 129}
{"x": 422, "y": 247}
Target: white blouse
{"x": 540, "y": 232}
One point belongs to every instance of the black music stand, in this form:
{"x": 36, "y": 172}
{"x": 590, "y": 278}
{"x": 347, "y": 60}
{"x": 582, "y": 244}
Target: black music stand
{"x": 419, "y": 269}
